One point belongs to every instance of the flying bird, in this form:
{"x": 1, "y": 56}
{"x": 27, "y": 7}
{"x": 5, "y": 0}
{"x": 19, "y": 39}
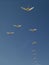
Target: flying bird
{"x": 10, "y": 33}
{"x": 34, "y": 50}
{"x": 33, "y": 29}
{"x": 17, "y": 26}
{"x": 34, "y": 54}
{"x": 34, "y": 58}
{"x": 34, "y": 42}
{"x": 27, "y": 9}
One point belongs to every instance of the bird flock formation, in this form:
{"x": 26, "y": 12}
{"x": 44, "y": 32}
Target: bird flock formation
{"x": 35, "y": 60}
{"x": 19, "y": 26}
{"x": 34, "y": 43}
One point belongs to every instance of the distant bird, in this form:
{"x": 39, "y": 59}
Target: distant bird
{"x": 34, "y": 50}
{"x": 17, "y": 26}
{"x": 33, "y": 30}
{"x": 10, "y": 33}
{"x": 34, "y": 58}
{"x": 34, "y": 42}
{"x": 27, "y": 9}
{"x": 35, "y": 61}
{"x": 34, "y": 54}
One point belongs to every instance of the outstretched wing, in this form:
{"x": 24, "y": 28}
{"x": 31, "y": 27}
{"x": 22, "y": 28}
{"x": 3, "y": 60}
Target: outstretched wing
{"x": 31, "y": 8}
{"x": 23, "y": 8}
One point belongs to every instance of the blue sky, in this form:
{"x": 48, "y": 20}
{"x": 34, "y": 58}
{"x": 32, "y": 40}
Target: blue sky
{"x": 17, "y": 49}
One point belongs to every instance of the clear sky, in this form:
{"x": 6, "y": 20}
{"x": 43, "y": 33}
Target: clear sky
{"x": 17, "y": 49}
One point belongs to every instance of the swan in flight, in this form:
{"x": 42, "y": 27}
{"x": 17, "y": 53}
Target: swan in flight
{"x": 17, "y": 26}
{"x": 27, "y": 9}
{"x": 33, "y": 29}
{"x": 10, "y": 33}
